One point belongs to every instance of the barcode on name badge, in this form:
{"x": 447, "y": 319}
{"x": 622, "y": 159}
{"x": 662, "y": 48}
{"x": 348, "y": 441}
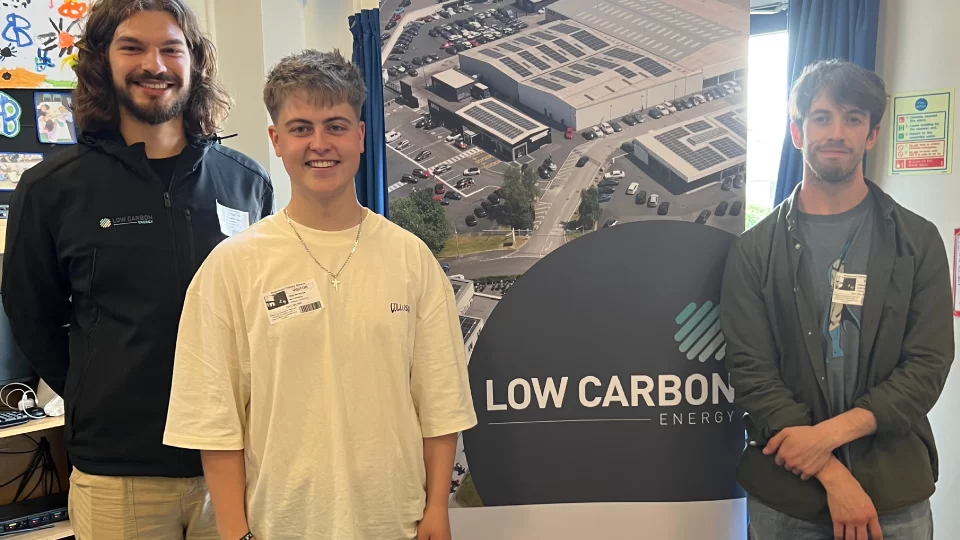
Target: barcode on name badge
{"x": 310, "y": 307}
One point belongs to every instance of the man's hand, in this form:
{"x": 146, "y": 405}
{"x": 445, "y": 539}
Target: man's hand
{"x": 851, "y": 509}
{"x": 435, "y": 524}
{"x": 804, "y": 450}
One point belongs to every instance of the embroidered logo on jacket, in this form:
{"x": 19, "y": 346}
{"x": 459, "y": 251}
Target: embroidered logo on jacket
{"x": 142, "y": 219}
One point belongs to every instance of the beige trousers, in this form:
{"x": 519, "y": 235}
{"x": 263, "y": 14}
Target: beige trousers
{"x": 140, "y": 508}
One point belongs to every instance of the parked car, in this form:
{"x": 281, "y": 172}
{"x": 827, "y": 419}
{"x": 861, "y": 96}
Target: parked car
{"x": 655, "y": 114}
{"x": 440, "y": 169}
{"x": 610, "y": 223}
{"x": 615, "y": 174}
{"x": 543, "y": 172}
{"x": 616, "y": 127}
{"x": 453, "y": 195}
{"x": 453, "y": 137}
{"x": 703, "y": 217}
{"x": 461, "y": 145}
{"x": 548, "y": 163}
{"x": 480, "y": 212}
{"x": 582, "y": 161}
{"x": 604, "y": 197}
{"x": 664, "y": 208}
{"x": 409, "y": 179}
{"x": 424, "y": 154}
{"x": 439, "y": 189}
{"x": 493, "y": 198}
{"x": 403, "y": 144}
{"x": 390, "y": 25}
{"x": 607, "y": 189}
{"x": 721, "y": 208}
{"x": 569, "y": 133}
{"x": 606, "y": 128}
{"x": 726, "y": 184}
{"x": 632, "y": 188}
{"x": 392, "y": 135}
{"x": 641, "y": 197}
{"x": 735, "y": 208}
{"x": 589, "y": 135}
{"x": 421, "y": 173}
{"x": 629, "y": 120}
{"x": 738, "y": 181}
{"x": 471, "y": 220}
{"x": 472, "y": 171}
{"x": 609, "y": 182}
{"x": 653, "y": 201}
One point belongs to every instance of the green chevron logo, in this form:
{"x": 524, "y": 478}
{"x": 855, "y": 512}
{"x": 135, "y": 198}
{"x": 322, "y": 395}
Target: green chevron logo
{"x": 699, "y": 335}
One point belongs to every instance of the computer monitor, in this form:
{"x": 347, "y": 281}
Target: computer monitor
{"x": 14, "y": 366}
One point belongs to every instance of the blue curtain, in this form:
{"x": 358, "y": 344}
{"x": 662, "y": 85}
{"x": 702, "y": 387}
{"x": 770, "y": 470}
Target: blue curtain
{"x": 822, "y": 30}
{"x": 371, "y": 179}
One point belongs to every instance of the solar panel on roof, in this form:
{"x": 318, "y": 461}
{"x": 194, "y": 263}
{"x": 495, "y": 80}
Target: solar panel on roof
{"x": 626, "y": 72}
{"x": 698, "y": 126}
{"x": 603, "y": 63}
{"x": 553, "y": 54}
{"x": 565, "y": 28}
{"x": 589, "y": 40}
{"x": 516, "y": 67}
{"x": 542, "y": 35}
{"x": 517, "y": 119}
{"x": 567, "y": 76}
{"x": 493, "y": 122}
{"x": 537, "y": 63}
{"x": 652, "y": 67}
{"x": 728, "y": 148}
{"x": 733, "y": 124}
{"x": 623, "y": 54}
{"x": 583, "y": 68}
{"x": 467, "y": 324}
{"x": 527, "y": 41}
{"x": 492, "y": 53}
{"x": 546, "y": 83}
{"x": 701, "y": 159}
{"x": 705, "y": 136}
{"x": 510, "y": 47}
{"x": 577, "y": 53}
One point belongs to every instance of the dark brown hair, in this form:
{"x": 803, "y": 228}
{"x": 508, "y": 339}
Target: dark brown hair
{"x": 95, "y": 99}
{"x": 845, "y": 83}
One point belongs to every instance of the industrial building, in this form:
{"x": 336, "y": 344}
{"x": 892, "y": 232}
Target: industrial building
{"x": 599, "y": 60}
{"x": 532, "y": 6}
{"x": 696, "y": 152}
{"x": 494, "y": 125}
{"x": 452, "y": 85}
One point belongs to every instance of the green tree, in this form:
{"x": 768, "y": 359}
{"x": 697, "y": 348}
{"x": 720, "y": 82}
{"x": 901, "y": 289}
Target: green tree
{"x": 755, "y": 213}
{"x": 520, "y": 195}
{"x": 422, "y": 216}
{"x": 589, "y": 209}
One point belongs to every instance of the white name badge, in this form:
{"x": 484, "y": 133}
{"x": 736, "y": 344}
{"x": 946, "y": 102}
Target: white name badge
{"x": 849, "y": 289}
{"x": 232, "y": 221}
{"x": 292, "y": 301}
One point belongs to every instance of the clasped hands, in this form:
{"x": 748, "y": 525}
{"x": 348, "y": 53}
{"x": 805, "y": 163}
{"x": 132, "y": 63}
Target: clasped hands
{"x": 803, "y": 450}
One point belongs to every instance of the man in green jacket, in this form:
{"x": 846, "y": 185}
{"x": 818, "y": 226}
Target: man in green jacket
{"x": 837, "y": 313}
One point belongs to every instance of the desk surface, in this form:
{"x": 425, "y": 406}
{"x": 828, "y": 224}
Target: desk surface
{"x": 31, "y": 426}
{"x": 61, "y": 529}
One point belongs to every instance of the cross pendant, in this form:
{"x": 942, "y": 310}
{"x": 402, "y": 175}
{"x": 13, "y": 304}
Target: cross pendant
{"x": 336, "y": 284}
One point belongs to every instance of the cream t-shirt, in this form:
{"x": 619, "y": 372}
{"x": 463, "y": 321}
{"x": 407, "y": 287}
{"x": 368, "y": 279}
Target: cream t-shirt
{"x": 328, "y": 393}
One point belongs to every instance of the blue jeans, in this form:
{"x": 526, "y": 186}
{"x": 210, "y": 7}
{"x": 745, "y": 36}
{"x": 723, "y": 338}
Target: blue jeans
{"x": 912, "y": 523}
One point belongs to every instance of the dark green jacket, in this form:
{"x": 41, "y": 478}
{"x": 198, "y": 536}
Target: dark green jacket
{"x": 775, "y": 357}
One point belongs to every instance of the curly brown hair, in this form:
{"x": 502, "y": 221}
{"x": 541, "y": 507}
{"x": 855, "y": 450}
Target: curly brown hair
{"x": 96, "y": 106}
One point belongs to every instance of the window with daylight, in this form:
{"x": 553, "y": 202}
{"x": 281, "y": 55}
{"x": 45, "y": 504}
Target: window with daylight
{"x": 766, "y": 121}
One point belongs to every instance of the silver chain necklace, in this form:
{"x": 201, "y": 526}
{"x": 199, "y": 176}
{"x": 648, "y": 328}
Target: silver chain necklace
{"x": 336, "y": 277}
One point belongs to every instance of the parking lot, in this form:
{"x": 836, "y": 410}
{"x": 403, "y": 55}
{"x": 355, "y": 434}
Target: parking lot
{"x": 683, "y": 207}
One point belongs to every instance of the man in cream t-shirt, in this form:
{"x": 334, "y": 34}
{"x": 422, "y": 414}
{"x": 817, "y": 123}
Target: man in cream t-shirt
{"x": 320, "y": 367}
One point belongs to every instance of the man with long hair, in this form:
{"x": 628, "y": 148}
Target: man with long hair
{"x": 103, "y": 241}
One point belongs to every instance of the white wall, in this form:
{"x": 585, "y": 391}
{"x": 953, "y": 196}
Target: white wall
{"x": 916, "y": 50}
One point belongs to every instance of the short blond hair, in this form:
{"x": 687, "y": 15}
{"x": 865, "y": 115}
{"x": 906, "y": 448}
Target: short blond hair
{"x": 327, "y": 78}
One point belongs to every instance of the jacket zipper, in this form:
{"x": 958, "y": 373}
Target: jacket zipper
{"x": 190, "y": 241}
{"x": 173, "y": 233}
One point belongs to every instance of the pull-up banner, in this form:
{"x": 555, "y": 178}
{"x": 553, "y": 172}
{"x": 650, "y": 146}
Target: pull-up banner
{"x": 599, "y": 379}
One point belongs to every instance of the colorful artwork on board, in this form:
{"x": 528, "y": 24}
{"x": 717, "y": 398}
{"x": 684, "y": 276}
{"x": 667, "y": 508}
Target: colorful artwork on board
{"x": 38, "y": 42}
{"x": 10, "y": 113}
{"x": 13, "y": 165}
{"x": 54, "y": 112}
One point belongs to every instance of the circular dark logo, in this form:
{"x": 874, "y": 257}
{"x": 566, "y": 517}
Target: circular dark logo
{"x": 599, "y": 377}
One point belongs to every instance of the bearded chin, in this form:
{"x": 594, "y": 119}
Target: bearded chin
{"x": 154, "y": 114}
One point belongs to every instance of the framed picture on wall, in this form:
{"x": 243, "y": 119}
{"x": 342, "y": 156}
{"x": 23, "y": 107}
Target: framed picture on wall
{"x": 13, "y": 165}
{"x": 54, "y": 111}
